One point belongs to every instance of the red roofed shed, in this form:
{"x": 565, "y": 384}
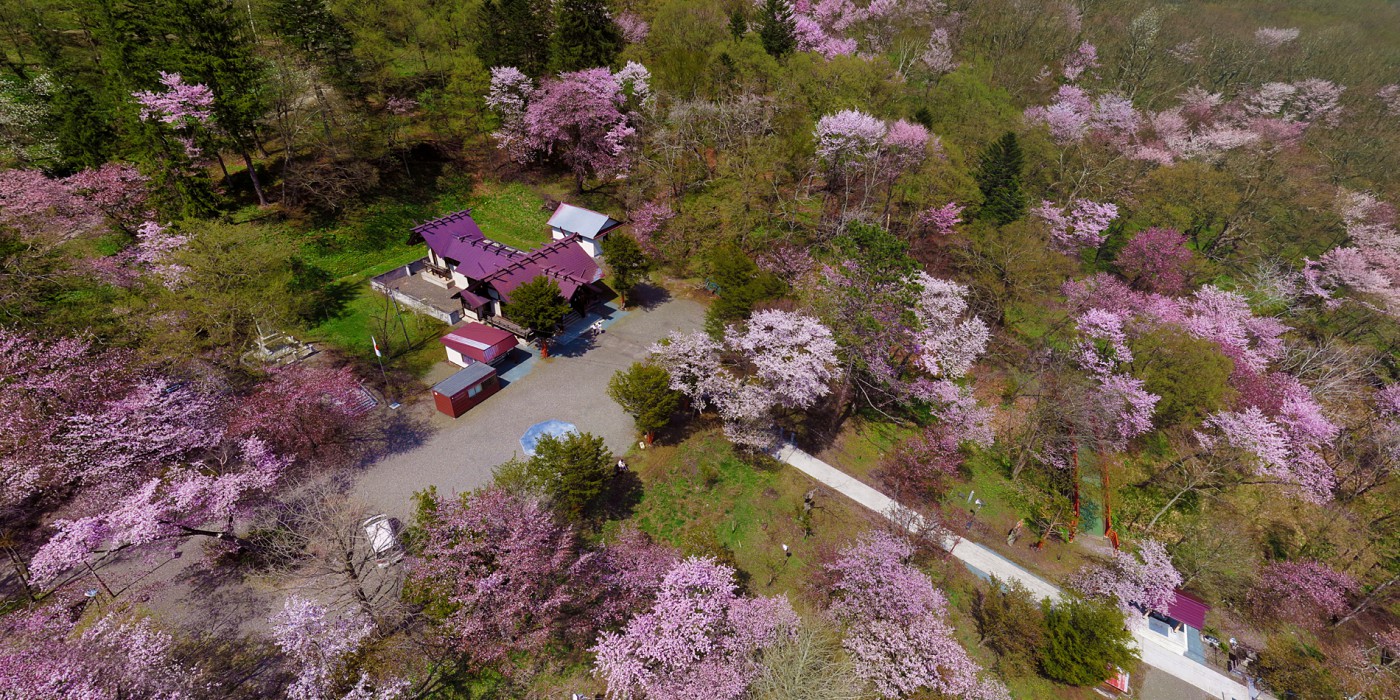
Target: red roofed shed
{"x": 1188, "y": 609}
{"x": 477, "y": 342}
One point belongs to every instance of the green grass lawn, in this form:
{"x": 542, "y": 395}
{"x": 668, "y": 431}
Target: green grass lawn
{"x": 705, "y": 499}
{"x": 510, "y": 213}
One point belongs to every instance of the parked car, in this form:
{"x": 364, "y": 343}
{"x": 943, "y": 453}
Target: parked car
{"x": 379, "y": 531}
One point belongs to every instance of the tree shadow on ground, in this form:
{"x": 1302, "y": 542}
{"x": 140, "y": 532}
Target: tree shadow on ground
{"x": 399, "y": 432}
{"x": 648, "y": 296}
{"x": 621, "y": 496}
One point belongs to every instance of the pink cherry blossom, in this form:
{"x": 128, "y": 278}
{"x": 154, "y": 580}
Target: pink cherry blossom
{"x": 583, "y": 118}
{"x": 948, "y": 342}
{"x": 1146, "y": 581}
{"x": 634, "y": 28}
{"x": 181, "y": 104}
{"x": 1081, "y": 224}
{"x": 1225, "y": 319}
{"x": 1305, "y": 592}
{"x": 699, "y": 641}
{"x": 791, "y": 354}
{"x": 1105, "y": 345}
{"x": 43, "y": 655}
{"x": 1083, "y": 58}
{"x": 937, "y": 56}
{"x": 647, "y": 221}
{"x": 318, "y": 643}
{"x": 1157, "y": 260}
{"x": 896, "y": 627}
{"x": 941, "y": 220}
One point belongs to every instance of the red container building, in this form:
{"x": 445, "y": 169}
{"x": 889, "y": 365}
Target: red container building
{"x": 460, "y": 392}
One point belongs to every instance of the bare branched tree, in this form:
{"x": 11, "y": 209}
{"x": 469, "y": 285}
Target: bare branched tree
{"x": 319, "y": 543}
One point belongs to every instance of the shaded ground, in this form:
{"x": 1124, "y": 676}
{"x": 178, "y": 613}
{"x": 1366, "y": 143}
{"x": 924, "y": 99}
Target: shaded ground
{"x": 570, "y": 386}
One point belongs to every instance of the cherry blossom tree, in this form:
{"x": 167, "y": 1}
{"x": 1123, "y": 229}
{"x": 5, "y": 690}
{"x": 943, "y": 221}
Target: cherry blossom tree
{"x": 1156, "y": 260}
{"x": 1284, "y": 449}
{"x": 302, "y": 410}
{"x": 941, "y": 220}
{"x": 937, "y": 56}
{"x": 517, "y": 579}
{"x": 1305, "y": 592}
{"x": 586, "y": 119}
{"x": 1074, "y": 115}
{"x": 1081, "y": 224}
{"x": 1225, "y": 318}
{"x": 318, "y": 643}
{"x": 647, "y": 221}
{"x": 864, "y": 155}
{"x": 46, "y": 383}
{"x": 204, "y": 499}
{"x": 155, "y": 245}
{"x": 1105, "y": 343}
{"x": 1146, "y": 581}
{"x": 1084, "y": 58}
{"x": 43, "y": 655}
{"x": 634, "y": 28}
{"x": 779, "y": 359}
{"x": 1370, "y": 265}
{"x": 896, "y": 627}
{"x": 156, "y": 426}
{"x": 182, "y": 106}
{"x": 904, "y": 336}
{"x": 700, "y": 640}
{"x": 85, "y": 203}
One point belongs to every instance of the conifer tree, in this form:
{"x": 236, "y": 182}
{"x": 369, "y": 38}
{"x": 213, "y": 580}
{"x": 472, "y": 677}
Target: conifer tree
{"x": 212, "y": 48}
{"x": 311, "y": 27}
{"x": 738, "y": 22}
{"x": 644, "y": 391}
{"x": 585, "y": 36}
{"x": 999, "y": 177}
{"x": 515, "y": 33}
{"x": 538, "y": 306}
{"x": 777, "y": 28}
{"x": 571, "y": 472}
{"x": 629, "y": 265}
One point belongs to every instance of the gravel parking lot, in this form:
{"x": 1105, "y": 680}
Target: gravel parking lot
{"x": 570, "y": 386}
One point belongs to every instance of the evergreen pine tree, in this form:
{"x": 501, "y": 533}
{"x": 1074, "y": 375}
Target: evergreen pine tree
{"x": 571, "y": 471}
{"x": 310, "y": 26}
{"x": 515, "y": 33}
{"x": 738, "y": 22}
{"x": 644, "y": 391}
{"x": 212, "y": 48}
{"x": 628, "y": 264}
{"x": 585, "y": 36}
{"x": 538, "y": 306}
{"x": 999, "y": 177}
{"x": 777, "y": 28}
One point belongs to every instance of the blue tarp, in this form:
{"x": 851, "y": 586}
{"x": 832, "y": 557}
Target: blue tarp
{"x": 557, "y": 428}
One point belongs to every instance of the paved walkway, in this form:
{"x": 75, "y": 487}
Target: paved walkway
{"x": 570, "y": 386}
{"x": 984, "y": 561}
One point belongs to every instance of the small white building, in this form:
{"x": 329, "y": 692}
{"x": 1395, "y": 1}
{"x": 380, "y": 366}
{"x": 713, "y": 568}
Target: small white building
{"x": 1178, "y": 628}
{"x": 590, "y": 226}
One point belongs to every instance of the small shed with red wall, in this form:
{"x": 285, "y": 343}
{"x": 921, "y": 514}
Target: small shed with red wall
{"x": 477, "y": 342}
{"x": 468, "y": 387}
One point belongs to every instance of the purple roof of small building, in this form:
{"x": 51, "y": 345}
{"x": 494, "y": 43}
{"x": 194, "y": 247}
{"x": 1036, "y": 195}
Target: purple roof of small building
{"x": 479, "y": 336}
{"x": 1188, "y": 609}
